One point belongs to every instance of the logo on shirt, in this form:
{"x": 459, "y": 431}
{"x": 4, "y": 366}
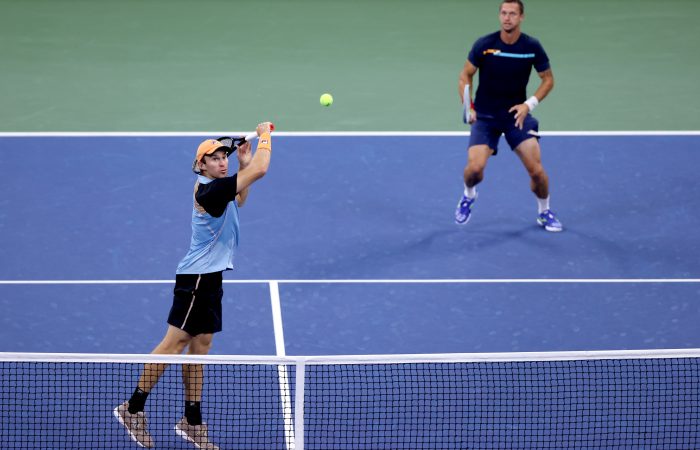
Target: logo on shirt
{"x": 496, "y": 52}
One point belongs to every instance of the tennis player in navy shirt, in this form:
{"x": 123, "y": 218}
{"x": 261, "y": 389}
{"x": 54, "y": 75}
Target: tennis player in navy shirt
{"x": 505, "y": 60}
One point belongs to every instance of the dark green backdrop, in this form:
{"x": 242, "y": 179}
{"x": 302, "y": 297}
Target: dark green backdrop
{"x": 168, "y": 65}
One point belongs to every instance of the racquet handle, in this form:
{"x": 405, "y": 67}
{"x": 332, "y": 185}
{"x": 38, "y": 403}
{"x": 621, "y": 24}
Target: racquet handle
{"x": 251, "y": 136}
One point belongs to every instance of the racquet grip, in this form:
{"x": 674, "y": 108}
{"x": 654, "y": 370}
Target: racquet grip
{"x": 249, "y": 137}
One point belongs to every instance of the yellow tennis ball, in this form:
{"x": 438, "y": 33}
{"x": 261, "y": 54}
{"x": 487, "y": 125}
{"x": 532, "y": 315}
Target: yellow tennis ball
{"x": 326, "y": 99}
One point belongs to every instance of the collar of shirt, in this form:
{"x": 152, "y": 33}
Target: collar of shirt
{"x": 203, "y": 180}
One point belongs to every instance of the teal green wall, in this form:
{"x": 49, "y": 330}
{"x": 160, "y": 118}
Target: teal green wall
{"x": 164, "y": 65}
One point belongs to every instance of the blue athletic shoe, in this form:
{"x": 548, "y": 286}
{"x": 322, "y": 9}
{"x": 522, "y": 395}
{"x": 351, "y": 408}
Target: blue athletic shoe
{"x": 549, "y": 221}
{"x": 464, "y": 210}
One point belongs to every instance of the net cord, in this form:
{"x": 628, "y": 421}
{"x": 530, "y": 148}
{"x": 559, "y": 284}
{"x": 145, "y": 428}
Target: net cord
{"x": 351, "y": 359}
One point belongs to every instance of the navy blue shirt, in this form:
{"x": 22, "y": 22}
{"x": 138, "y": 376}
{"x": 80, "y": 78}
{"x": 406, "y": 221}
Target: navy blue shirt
{"x": 504, "y": 71}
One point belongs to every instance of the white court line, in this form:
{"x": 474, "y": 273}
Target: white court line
{"x": 283, "y": 375}
{"x": 378, "y": 281}
{"x": 327, "y": 133}
{"x": 277, "y": 318}
{"x": 299, "y": 406}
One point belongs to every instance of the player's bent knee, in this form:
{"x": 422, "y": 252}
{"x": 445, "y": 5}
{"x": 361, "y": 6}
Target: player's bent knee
{"x": 171, "y": 347}
{"x": 179, "y": 345}
{"x": 475, "y": 169}
{"x": 474, "y": 175}
{"x": 538, "y": 176}
{"x": 201, "y": 344}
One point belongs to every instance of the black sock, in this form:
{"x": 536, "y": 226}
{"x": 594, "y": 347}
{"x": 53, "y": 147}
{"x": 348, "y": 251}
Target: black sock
{"x": 137, "y": 401}
{"x": 193, "y": 413}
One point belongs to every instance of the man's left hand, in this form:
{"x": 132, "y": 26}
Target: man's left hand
{"x": 244, "y": 155}
{"x": 521, "y": 112}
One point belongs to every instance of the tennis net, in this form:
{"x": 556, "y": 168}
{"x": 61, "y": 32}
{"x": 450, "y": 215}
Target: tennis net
{"x": 616, "y": 399}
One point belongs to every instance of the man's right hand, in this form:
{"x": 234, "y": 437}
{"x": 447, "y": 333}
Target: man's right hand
{"x": 471, "y": 116}
{"x": 264, "y": 127}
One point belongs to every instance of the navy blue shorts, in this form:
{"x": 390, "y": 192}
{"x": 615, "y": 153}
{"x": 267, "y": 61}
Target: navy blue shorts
{"x": 488, "y": 131}
{"x": 197, "y": 303}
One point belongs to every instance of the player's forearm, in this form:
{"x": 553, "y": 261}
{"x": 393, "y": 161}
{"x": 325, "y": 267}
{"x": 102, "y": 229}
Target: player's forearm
{"x": 242, "y": 196}
{"x": 464, "y": 79}
{"x": 258, "y": 165}
{"x": 261, "y": 159}
{"x": 546, "y": 85}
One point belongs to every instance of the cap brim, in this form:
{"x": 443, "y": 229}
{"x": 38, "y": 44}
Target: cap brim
{"x": 223, "y": 148}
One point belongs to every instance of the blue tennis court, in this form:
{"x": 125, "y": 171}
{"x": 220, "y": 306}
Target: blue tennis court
{"x": 355, "y": 236}
{"x": 354, "y": 208}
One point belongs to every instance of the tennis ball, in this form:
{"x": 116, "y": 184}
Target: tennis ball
{"x": 326, "y": 99}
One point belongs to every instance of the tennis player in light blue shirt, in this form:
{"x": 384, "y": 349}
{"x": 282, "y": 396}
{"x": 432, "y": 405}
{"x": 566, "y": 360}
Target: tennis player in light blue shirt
{"x": 214, "y": 239}
{"x": 196, "y": 311}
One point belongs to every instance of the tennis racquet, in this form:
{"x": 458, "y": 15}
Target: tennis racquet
{"x": 234, "y": 142}
{"x": 466, "y": 105}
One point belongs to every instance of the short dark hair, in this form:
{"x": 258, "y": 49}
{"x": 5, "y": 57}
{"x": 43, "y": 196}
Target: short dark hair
{"x": 519, "y": 2}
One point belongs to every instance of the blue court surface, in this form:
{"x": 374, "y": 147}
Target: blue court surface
{"x": 356, "y": 235}
{"x": 374, "y": 210}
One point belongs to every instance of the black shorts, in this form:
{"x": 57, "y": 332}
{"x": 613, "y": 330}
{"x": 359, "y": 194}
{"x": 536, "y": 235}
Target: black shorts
{"x": 197, "y": 303}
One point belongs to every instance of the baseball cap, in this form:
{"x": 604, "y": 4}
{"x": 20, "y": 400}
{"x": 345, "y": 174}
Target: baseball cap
{"x": 208, "y": 147}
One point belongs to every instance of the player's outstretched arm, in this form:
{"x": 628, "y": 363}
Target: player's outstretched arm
{"x": 260, "y": 162}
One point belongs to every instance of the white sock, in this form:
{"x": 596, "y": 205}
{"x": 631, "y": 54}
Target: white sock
{"x": 470, "y": 192}
{"x": 542, "y": 204}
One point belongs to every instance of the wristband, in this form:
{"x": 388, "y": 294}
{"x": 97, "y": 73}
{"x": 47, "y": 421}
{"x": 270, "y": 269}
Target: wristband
{"x": 532, "y": 102}
{"x": 264, "y": 142}
{"x": 468, "y": 112}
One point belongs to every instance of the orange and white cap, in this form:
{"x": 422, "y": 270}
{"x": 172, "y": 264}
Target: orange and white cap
{"x": 209, "y": 147}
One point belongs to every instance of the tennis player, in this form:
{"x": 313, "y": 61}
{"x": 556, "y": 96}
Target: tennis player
{"x": 504, "y": 60}
{"x": 196, "y": 310}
